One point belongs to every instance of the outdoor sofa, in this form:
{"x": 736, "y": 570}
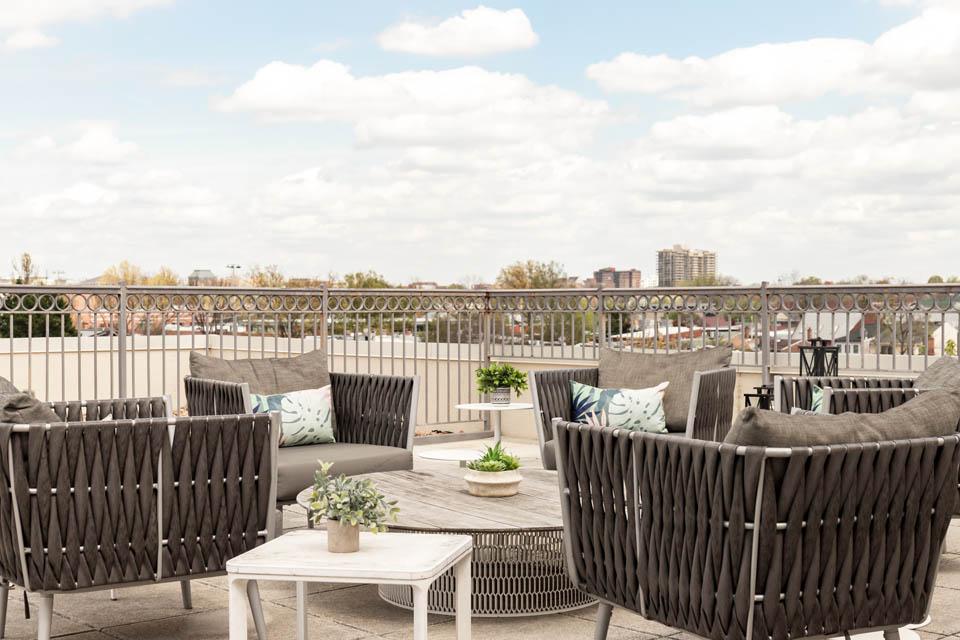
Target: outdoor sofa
{"x": 374, "y": 416}
{"x": 698, "y": 403}
{"x": 119, "y": 493}
{"x": 731, "y": 541}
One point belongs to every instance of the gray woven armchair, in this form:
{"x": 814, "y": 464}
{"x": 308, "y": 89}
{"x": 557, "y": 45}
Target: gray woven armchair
{"x": 375, "y": 423}
{"x": 140, "y": 498}
{"x": 871, "y": 394}
{"x": 709, "y": 417}
{"x": 749, "y": 542}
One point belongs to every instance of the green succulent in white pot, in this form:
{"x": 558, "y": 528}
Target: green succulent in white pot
{"x": 495, "y": 474}
{"x": 348, "y": 504}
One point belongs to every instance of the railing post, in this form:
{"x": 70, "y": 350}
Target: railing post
{"x": 486, "y": 347}
{"x": 324, "y": 334}
{"x": 765, "y": 333}
{"x": 122, "y": 342}
{"x": 602, "y": 318}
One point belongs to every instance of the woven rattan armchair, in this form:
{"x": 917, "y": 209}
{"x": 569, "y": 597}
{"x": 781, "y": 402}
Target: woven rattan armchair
{"x": 750, "y": 542}
{"x": 123, "y": 494}
{"x": 872, "y": 394}
{"x": 709, "y": 418}
{"x": 369, "y": 410}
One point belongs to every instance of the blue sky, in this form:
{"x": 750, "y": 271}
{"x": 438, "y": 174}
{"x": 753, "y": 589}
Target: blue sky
{"x": 193, "y": 134}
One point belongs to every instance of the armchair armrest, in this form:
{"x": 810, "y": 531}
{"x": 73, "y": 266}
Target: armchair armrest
{"x": 113, "y": 409}
{"x": 550, "y": 391}
{"x": 372, "y": 409}
{"x": 865, "y": 400}
{"x": 711, "y": 404}
{"x": 216, "y": 398}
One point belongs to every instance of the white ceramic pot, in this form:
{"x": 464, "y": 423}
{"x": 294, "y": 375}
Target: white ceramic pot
{"x": 493, "y": 484}
{"x": 342, "y": 538}
{"x": 500, "y": 395}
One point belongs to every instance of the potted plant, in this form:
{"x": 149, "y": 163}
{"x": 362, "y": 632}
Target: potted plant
{"x": 348, "y": 504}
{"x": 495, "y": 474}
{"x": 498, "y": 379}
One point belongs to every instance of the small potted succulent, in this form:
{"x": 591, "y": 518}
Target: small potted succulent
{"x": 348, "y": 504}
{"x": 498, "y": 379}
{"x": 495, "y": 474}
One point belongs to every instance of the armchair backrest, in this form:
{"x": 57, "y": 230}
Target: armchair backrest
{"x": 748, "y": 542}
{"x": 103, "y": 503}
{"x": 797, "y": 391}
{"x": 550, "y": 391}
{"x": 114, "y": 409}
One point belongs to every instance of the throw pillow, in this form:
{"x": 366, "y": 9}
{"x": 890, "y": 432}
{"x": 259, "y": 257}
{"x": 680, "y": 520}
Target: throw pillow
{"x": 816, "y": 401}
{"x": 629, "y": 370}
{"x": 630, "y": 409}
{"x": 24, "y": 408}
{"x": 267, "y": 376}
{"x": 6, "y": 387}
{"x": 306, "y": 416}
{"x": 942, "y": 374}
{"x": 931, "y": 414}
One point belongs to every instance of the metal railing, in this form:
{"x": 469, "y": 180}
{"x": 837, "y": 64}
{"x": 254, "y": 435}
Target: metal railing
{"x": 94, "y": 342}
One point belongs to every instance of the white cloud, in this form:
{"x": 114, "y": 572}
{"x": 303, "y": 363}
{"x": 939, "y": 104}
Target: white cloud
{"x": 919, "y": 53}
{"x": 28, "y": 39}
{"x": 461, "y": 107}
{"x": 475, "y": 32}
{"x": 93, "y": 143}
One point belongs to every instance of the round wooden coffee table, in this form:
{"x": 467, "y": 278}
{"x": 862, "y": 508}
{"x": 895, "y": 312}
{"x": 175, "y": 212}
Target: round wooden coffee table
{"x": 518, "y": 563}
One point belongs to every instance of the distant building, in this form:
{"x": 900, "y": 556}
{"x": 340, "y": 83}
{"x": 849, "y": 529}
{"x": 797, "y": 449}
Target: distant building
{"x": 611, "y": 278}
{"x": 680, "y": 264}
{"x": 202, "y": 278}
{"x": 423, "y": 284}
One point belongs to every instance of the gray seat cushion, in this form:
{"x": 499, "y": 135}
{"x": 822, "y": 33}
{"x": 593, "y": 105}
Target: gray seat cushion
{"x": 297, "y": 465}
{"x": 931, "y": 414}
{"x": 626, "y": 370}
{"x": 549, "y": 454}
{"x": 942, "y": 374}
{"x": 6, "y": 387}
{"x": 23, "y": 408}
{"x": 266, "y": 375}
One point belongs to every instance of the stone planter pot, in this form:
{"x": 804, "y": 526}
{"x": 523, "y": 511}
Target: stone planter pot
{"x": 500, "y": 395}
{"x": 342, "y": 538}
{"x": 496, "y": 484}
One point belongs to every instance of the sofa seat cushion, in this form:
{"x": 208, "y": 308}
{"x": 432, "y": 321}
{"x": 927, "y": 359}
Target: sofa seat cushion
{"x": 266, "y": 376}
{"x": 628, "y": 370}
{"x": 296, "y": 465}
{"x": 931, "y": 414}
{"x": 942, "y": 374}
{"x": 7, "y": 388}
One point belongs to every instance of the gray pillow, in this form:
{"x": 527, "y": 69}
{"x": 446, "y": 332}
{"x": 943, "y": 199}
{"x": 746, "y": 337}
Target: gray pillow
{"x": 942, "y": 374}
{"x": 931, "y": 414}
{"x": 23, "y": 408}
{"x": 267, "y": 376}
{"x": 6, "y": 387}
{"x": 627, "y": 370}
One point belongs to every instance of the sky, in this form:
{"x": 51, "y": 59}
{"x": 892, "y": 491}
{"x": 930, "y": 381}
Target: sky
{"x": 444, "y": 140}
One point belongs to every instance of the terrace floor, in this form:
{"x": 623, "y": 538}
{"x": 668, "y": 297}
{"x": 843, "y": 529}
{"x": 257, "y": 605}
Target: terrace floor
{"x": 345, "y": 612}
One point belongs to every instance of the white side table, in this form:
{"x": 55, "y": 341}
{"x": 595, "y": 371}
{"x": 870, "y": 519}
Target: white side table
{"x": 384, "y": 558}
{"x": 496, "y": 409}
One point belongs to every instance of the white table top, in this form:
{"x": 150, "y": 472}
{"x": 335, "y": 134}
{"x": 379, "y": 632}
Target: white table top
{"x": 450, "y": 454}
{"x": 387, "y": 556}
{"x": 489, "y": 406}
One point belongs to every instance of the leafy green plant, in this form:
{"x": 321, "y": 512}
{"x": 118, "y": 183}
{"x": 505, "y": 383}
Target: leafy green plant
{"x": 349, "y": 500}
{"x": 499, "y": 375}
{"x": 495, "y": 459}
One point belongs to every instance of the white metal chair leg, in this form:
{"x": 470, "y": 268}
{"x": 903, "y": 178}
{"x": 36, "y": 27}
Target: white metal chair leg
{"x": 603, "y": 621}
{"x": 256, "y": 609}
{"x": 185, "y": 594}
{"x": 113, "y": 594}
{"x": 45, "y": 617}
{"x": 4, "y": 594}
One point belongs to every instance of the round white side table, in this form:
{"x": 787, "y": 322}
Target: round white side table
{"x": 497, "y": 409}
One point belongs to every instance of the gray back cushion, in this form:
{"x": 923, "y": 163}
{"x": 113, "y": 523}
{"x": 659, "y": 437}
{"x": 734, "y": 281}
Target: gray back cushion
{"x": 626, "y": 370}
{"x": 6, "y": 387}
{"x": 931, "y": 414}
{"x": 23, "y": 408}
{"x": 267, "y": 375}
{"x": 942, "y": 374}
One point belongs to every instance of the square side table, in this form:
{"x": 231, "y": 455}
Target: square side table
{"x": 301, "y": 556}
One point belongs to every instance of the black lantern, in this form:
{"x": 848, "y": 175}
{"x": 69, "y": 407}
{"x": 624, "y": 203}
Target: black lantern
{"x": 819, "y": 359}
{"x": 761, "y": 398}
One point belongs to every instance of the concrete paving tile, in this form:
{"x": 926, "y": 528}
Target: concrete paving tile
{"x": 944, "y": 612}
{"x": 212, "y": 625}
{"x": 549, "y": 627}
{"x": 948, "y": 573}
{"x": 627, "y": 620}
{"x": 19, "y": 627}
{"x": 360, "y": 607}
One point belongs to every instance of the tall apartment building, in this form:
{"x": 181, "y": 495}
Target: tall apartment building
{"x": 680, "y": 264}
{"x": 611, "y": 278}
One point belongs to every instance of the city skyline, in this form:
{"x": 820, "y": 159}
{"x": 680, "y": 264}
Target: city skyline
{"x": 431, "y": 140}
